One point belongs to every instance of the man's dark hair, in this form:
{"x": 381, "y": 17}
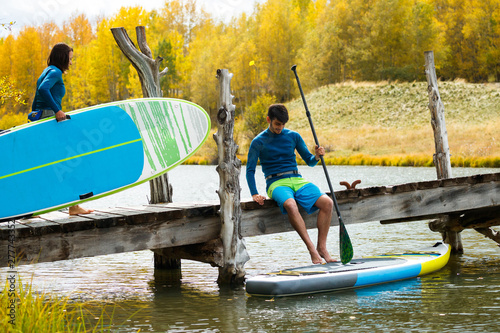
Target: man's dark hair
{"x": 59, "y": 56}
{"x": 279, "y": 112}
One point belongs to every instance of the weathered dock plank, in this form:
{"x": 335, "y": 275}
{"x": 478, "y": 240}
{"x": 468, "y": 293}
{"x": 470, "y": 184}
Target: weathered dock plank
{"x": 389, "y": 204}
{"x": 123, "y": 230}
{"x": 424, "y": 204}
{"x": 57, "y": 236}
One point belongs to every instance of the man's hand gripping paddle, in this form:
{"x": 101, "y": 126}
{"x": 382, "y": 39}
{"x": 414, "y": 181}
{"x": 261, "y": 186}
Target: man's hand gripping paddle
{"x": 346, "y": 251}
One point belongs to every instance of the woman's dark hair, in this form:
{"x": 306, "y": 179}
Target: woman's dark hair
{"x": 59, "y": 56}
{"x": 278, "y": 111}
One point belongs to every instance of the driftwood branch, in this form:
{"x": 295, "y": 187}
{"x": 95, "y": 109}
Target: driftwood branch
{"x": 149, "y": 75}
{"x": 148, "y": 71}
{"x": 141, "y": 40}
{"x": 490, "y": 233}
{"x": 147, "y": 68}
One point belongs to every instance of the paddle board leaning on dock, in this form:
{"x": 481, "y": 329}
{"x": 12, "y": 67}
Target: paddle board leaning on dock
{"x": 101, "y": 150}
{"x": 358, "y": 273}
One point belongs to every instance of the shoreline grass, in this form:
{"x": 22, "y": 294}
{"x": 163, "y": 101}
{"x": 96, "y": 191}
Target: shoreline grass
{"x": 389, "y": 160}
{"x": 41, "y": 312}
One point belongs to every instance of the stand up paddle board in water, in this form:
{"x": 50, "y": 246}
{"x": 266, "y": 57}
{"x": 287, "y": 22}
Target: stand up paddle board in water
{"x": 358, "y": 273}
{"x": 101, "y": 150}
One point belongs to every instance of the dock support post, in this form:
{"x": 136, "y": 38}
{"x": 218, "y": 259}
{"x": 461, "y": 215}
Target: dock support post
{"x": 149, "y": 73}
{"x": 442, "y": 156}
{"x": 234, "y": 251}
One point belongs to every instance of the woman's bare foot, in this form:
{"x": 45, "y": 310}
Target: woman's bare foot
{"x": 75, "y": 210}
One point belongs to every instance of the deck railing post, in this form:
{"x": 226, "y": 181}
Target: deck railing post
{"x": 234, "y": 251}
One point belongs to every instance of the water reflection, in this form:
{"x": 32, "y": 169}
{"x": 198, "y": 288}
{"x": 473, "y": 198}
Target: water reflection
{"x": 462, "y": 297}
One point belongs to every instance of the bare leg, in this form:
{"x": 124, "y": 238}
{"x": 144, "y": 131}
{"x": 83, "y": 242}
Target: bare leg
{"x": 299, "y": 225}
{"x": 75, "y": 210}
{"x": 325, "y": 205}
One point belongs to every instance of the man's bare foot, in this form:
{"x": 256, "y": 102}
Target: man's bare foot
{"x": 325, "y": 255}
{"x": 316, "y": 257}
{"x": 75, "y": 210}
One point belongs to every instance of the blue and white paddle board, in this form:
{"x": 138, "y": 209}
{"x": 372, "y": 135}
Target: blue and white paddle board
{"x": 356, "y": 274}
{"x": 101, "y": 150}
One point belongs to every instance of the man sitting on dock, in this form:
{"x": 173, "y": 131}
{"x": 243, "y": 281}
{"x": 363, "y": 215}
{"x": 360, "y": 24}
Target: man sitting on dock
{"x": 275, "y": 148}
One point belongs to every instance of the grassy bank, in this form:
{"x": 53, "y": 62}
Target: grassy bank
{"x": 40, "y": 312}
{"x": 389, "y": 124}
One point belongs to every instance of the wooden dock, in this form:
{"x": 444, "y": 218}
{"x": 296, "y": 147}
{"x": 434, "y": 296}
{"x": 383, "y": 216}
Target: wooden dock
{"x": 473, "y": 201}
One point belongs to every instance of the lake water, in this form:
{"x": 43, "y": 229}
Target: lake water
{"x": 462, "y": 297}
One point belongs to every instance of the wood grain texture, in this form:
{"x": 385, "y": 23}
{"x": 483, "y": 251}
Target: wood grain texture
{"x": 473, "y": 201}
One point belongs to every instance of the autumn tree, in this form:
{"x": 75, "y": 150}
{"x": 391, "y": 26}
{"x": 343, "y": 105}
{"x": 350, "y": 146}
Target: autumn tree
{"x": 481, "y": 47}
{"x": 171, "y": 49}
{"x": 27, "y": 64}
{"x": 6, "y": 50}
{"x": 278, "y": 38}
{"x": 243, "y": 61}
{"x": 78, "y": 32}
{"x": 324, "y": 51}
{"x": 451, "y": 14}
{"x": 203, "y": 60}
{"x": 256, "y": 115}
{"x": 401, "y": 31}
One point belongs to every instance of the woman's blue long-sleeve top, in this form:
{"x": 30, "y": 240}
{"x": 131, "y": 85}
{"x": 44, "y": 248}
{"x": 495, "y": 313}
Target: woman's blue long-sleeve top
{"x": 50, "y": 90}
{"x": 276, "y": 153}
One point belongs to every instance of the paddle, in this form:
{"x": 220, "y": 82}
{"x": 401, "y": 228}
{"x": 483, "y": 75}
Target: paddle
{"x": 346, "y": 251}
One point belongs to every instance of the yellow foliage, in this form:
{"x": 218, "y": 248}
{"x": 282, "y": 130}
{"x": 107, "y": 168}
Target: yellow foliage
{"x": 13, "y": 119}
{"x": 330, "y": 41}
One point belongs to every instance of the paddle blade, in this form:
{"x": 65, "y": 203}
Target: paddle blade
{"x": 346, "y": 251}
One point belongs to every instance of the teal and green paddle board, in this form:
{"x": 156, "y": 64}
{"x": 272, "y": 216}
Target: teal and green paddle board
{"x": 48, "y": 165}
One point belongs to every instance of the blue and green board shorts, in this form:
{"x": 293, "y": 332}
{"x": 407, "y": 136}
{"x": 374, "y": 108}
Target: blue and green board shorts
{"x": 305, "y": 193}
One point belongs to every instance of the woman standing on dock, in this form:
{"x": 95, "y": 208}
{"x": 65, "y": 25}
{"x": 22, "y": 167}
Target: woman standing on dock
{"x": 50, "y": 91}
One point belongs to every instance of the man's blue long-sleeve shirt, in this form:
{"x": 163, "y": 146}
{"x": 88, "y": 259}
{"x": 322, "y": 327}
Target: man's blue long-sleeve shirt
{"x": 276, "y": 153}
{"x": 50, "y": 90}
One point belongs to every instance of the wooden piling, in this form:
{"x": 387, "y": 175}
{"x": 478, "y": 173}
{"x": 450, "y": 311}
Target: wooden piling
{"x": 234, "y": 251}
{"x": 442, "y": 156}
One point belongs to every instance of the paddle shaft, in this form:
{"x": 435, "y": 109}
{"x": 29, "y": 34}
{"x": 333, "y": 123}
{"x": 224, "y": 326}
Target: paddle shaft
{"x": 308, "y": 114}
{"x": 345, "y": 242}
